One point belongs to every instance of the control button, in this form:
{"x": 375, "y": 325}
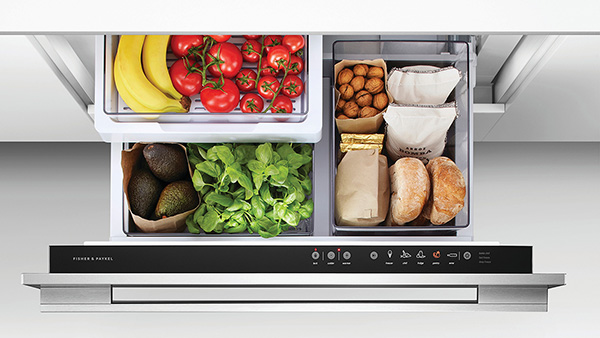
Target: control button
{"x": 405, "y": 255}
{"x": 436, "y": 254}
{"x": 315, "y": 255}
{"x": 420, "y": 254}
{"x": 467, "y": 255}
{"x": 452, "y": 255}
{"x": 346, "y": 255}
{"x": 331, "y": 255}
{"x": 374, "y": 255}
{"x": 390, "y": 253}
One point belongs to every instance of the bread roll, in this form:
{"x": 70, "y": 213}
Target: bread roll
{"x": 447, "y": 193}
{"x": 410, "y": 189}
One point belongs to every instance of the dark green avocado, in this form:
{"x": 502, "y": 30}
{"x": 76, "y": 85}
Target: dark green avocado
{"x": 176, "y": 197}
{"x": 166, "y": 161}
{"x": 143, "y": 191}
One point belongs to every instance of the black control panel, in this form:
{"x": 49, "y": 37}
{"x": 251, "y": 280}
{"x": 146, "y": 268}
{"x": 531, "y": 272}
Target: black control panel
{"x": 290, "y": 259}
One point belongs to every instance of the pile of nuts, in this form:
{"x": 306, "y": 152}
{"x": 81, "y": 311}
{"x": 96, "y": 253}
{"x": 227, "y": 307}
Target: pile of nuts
{"x": 362, "y": 92}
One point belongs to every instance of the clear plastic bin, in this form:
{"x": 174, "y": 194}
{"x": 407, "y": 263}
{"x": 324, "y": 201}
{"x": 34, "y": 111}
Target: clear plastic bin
{"x": 401, "y": 53}
{"x": 117, "y": 110}
{"x": 304, "y": 228}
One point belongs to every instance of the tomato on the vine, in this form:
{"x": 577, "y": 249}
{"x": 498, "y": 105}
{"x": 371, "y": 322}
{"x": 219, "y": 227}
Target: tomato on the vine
{"x": 185, "y": 80}
{"x": 228, "y": 57}
{"x": 220, "y": 38}
{"x": 282, "y": 104}
{"x": 292, "y": 86}
{"x": 252, "y": 37}
{"x": 267, "y": 70}
{"x": 181, "y": 44}
{"x": 220, "y": 96}
{"x": 293, "y": 42}
{"x": 278, "y": 57}
{"x": 251, "y": 103}
{"x": 271, "y": 41}
{"x": 251, "y": 50}
{"x": 246, "y": 80}
{"x": 296, "y": 65}
{"x": 267, "y": 87}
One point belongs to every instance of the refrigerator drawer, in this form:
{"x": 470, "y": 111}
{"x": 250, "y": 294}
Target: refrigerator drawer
{"x": 118, "y": 123}
{"x": 458, "y": 141}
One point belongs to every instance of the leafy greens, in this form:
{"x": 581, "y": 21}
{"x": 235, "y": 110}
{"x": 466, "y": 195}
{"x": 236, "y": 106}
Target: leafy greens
{"x": 250, "y": 187}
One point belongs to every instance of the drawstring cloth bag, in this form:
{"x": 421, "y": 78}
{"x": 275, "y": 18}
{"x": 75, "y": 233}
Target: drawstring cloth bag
{"x": 423, "y": 85}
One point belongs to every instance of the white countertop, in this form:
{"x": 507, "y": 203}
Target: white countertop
{"x": 309, "y": 16}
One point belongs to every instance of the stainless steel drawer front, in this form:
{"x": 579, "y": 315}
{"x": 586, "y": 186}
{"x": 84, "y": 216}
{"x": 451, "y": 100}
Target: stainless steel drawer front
{"x": 292, "y": 292}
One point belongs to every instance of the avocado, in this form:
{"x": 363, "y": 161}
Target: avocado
{"x": 166, "y": 161}
{"x": 143, "y": 192}
{"x": 176, "y": 197}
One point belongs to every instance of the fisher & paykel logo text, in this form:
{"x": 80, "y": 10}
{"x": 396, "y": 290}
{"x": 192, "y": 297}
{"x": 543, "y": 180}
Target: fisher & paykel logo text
{"x": 93, "y": 258}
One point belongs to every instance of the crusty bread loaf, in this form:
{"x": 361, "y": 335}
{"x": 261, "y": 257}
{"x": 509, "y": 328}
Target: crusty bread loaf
{"x": 410, "y": 189}
{"x": 447, "y": 191}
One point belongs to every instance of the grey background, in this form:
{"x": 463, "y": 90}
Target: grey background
{"x": 544, "y": 194}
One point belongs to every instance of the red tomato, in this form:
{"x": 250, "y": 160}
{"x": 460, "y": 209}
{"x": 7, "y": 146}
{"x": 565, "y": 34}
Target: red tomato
{"x": 271, "y": 41}
{"x": 246, "y": 80}
{"x": 278, "y": 57}
{"x": 186, "y": 81}
{"x": 296, "y": 65}
{"x": 293, "y": 42}
{"x": 282, "y": 104}
{"x": 292, "y": 86}
{"x": 229, "y": 58}
{"x": 220, "y": 38}
{"x": 181, "y": 44}
{"x": 267, "y": 70}
{"x": 267, "y": 86}
{"x": 251, "y": 103}
{"x": 252, "y": 37}
{"x": 251, "y": 50}
{"x": 220, "y": 98}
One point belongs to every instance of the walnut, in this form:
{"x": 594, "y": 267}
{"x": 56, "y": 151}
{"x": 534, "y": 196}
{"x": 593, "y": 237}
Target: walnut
{"x": 345, "y": 76}
{"x": 380, "y": 101}
{"x": 368, "y": 112}
{"x": 358, "y": 83}
{"x": 363, "y": 98}
{"x": 341, "y": 116}
{"x": 361, "y": 70}
{"x": 351, "y": 109}
{"x": 340, "y": 105}
{"x": 375, "y": 72}
{"x": 346, "y": 92}
{"x": 374, "y": 85}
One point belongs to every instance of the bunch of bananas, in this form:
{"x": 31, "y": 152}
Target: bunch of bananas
{"x": 148, "y": 89}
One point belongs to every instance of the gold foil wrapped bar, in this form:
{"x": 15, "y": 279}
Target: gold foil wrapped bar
{"x": 345, "y": 147}
{"x": 362, "y": 138}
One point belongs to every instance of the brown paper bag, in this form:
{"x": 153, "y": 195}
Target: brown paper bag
{"x": 362, "y": 189}
{"x": 365, "y": 125}
{"x": 130, "y": 160}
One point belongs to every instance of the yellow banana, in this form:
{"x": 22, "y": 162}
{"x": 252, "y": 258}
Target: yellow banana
{"x": 128, "y": 98}
{"x": 131, "y": 102}
{"x": 154, "y": 59}
{"x": 135, "y": 82}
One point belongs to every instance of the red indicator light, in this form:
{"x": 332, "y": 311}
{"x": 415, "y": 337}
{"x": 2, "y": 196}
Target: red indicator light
{"x": 315, "y": 249}
{"x": 338, "y": 249}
